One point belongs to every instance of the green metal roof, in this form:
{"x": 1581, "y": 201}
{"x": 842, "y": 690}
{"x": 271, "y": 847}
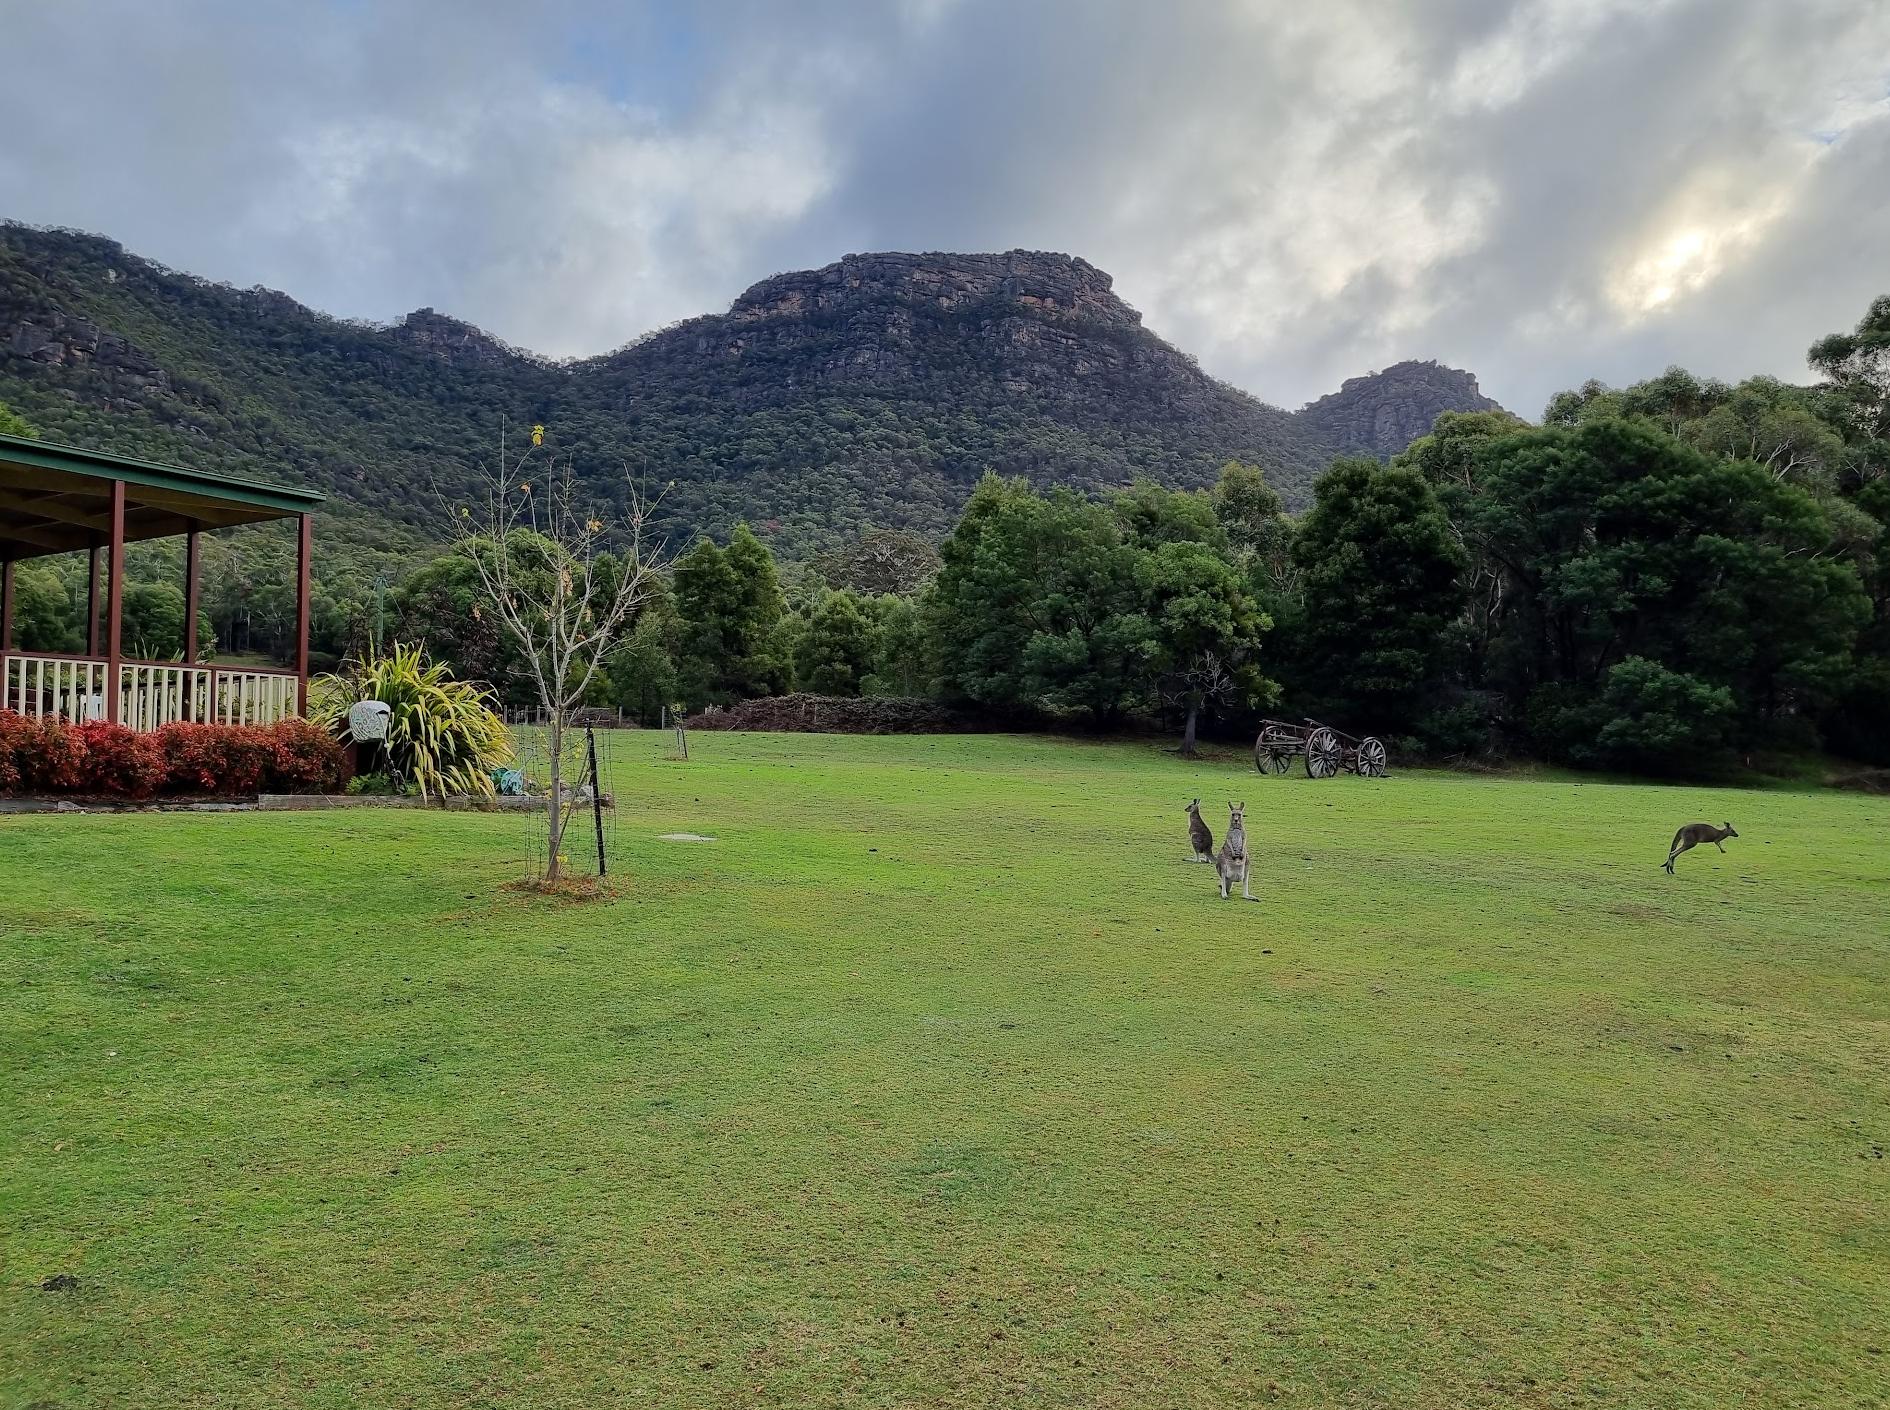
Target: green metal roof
{"x": 56, "y": 498}
{"x": 50, "y": 455}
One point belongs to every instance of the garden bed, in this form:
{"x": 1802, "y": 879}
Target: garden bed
{"x": 278, "y": 803}
{"x": 317, "y": 802}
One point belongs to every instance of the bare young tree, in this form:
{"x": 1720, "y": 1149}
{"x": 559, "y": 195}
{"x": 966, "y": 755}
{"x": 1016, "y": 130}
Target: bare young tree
{"x": 565, "y": 576}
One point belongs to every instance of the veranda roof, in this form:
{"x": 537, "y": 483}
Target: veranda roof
{"x": 56, "y": 498}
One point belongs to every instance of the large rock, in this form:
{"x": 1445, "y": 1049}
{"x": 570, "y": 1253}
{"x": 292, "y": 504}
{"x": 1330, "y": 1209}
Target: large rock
{"x": 451, "y": 341}
{"x": 1383, "y": 412}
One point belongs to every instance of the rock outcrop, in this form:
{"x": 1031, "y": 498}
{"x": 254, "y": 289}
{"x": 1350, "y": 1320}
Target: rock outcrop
{"x": 1383, "y": 412}
{"x": 1052, "y": 285}
{"x": 1046, "y": 330}
{"x": 451, "y": 341}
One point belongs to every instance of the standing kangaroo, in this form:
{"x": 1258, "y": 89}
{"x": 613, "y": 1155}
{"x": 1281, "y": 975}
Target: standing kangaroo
{"x": 1692, "y": 835}
{"x": 1230, "y": 863}
{"x": 1199, "y": 835}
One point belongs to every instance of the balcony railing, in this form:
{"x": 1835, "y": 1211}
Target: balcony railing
{"x": 150, "y": 693}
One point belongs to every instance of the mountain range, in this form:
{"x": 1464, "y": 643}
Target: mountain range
{"x": 873, "y": 391}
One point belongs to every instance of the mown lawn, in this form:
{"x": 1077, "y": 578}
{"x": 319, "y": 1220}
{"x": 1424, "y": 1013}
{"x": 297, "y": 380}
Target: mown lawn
{"x": 943, "y": 1078}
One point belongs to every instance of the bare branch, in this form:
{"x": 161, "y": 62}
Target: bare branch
{"x": 538, "y": 543}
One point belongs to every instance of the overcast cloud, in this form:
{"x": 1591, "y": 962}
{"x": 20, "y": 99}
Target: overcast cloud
{"x": 1540, "y": 191}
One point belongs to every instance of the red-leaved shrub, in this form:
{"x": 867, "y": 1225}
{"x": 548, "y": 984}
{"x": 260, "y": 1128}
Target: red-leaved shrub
{"x": 230, "y": 761}
{"x": 305, "y": 758}
{"x": 53, "y": 760}
{"x": 119, "y": 761}
{"x": 15, "y": 733}
{"x": 223, "y": 759}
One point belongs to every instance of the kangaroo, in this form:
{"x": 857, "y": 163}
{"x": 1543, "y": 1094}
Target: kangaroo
{"x": 1692, "y": 835}
{"x": 1230, "y": 864}
{"x": 1199, "y": 835}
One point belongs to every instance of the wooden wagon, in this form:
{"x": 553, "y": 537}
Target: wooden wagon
{"x": 1327, "y": 751}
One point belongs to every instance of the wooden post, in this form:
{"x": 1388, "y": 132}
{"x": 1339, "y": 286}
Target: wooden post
{"x": 6, "y": 637}
{"x": 193, "y": 563}
{"x": 303, "y": 543}
{"x": 115, "y": 603}
{"x": 91, "y": 606}
{"x": 597, "y": 796}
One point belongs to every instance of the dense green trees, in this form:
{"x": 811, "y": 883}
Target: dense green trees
{"x": 45, "y": 617}
{"x": 1624, "y": 579}
{"x": 1857, "y": 368}
{"x": 1056, "y": 606}
{"x": 1207, "y": 629}
{"x": 13, "y": 424}
{"x": 732, "y": 609}
{"x": 442, "y": 608}
{"x": 1038, "y": 607}
{"x": 835, "y": 650}
{"x": 903, "y": 660}
{"x": 643, "y": 678}
{"x": 1382, "y": 590}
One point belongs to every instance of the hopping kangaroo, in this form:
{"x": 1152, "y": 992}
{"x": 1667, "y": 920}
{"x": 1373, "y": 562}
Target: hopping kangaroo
{"x": 1199, "y": 835}
{"x": 1692, "y": 835}
{"x": 1230, "y": 863}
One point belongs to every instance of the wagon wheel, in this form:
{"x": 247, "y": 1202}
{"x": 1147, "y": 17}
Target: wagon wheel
{"x": 1270, "y": 756}
{"x": 1371, "y": 758}
{"x": 1272, "y": 751}
{"x": 1323, "y": 753}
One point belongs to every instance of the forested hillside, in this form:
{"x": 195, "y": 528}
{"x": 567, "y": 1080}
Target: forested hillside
{"x": 874, "y": 391}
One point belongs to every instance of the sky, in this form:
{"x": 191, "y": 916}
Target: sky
{"x": 1541, "y": 191}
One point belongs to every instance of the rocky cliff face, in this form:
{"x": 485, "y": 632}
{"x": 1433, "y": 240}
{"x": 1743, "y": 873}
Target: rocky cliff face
{"x": 1045, "y": 329}
{"x": 1028, "y": 323}
{"x": 1383, "y": 412}
{"x": 1049, "y": 284}
{"x": 54, "y": 338}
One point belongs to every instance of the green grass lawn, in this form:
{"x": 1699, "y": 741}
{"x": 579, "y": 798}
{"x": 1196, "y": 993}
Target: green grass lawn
{"x": 943, "y": 1078}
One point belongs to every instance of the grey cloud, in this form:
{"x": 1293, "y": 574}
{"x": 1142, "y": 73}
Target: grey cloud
{"x": 1541, "y": 191}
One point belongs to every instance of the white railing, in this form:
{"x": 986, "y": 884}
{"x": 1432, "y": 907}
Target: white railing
{"x": 150, "y": 694}
{"x": 65, "y": 686}
{"x": 254, "y": 697}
